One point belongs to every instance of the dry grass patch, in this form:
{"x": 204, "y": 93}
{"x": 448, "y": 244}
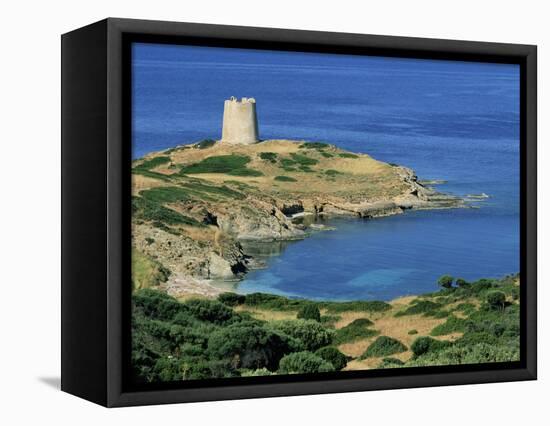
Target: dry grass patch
{"x": 220, "y": 178}
{"x": 166, "y": 170}
{"x": 399, "y": 327}
{"x": 200, "y": 234}
{"x": 348, "y": 317}
{"x": 140, "y": 183}
{"x": 372, "y": 363}
{"x": 451, "y": 337}
{"x": 356, "y": 349}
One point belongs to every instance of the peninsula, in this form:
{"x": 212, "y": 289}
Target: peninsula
{"x": 194, "y": 204}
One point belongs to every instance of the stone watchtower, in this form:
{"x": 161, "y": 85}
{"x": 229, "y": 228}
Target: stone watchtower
{"x": 240, "y": 123}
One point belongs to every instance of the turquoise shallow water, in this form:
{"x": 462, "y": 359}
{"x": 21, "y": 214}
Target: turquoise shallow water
{"x": 447, "y": 120}
{"x": 388, "y": 257}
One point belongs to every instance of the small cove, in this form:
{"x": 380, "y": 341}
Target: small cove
{"x": 383, "y": 258}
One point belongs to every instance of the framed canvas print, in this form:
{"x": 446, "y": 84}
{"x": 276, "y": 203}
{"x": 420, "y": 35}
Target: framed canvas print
{"x": 252, "y": 212}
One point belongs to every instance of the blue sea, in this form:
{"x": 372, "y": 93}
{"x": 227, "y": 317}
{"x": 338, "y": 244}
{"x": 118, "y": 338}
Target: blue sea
{"x": 451, "y": 121}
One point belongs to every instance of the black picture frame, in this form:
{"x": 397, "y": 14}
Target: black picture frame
{"x": 96, "y": 207}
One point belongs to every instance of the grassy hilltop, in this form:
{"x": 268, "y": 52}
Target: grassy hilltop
{"x": 193, "y": 204}
{"x": 262, "y": 334}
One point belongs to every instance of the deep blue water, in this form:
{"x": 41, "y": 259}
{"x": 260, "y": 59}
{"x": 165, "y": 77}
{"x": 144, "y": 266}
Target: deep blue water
{"x": 447, "y": 120}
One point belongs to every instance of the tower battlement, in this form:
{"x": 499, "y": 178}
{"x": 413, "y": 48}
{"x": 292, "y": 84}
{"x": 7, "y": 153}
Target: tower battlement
{"x": 240, "y": 123}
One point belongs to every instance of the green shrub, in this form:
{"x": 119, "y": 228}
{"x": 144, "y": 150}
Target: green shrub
{"x": 209, "y": 310}
{"x": 452, "y": 325}
{"x": 361, "y": 322}
{"x": 156, "y": 304}
{"x": 310, "y": 333}
{"x": 168, "y": 369}
{"x": 417, "y": 307}
{"x": 249, "y": 345}
{"x": 445, "y": 281}
{"x": 384, "y": 346}
{"x": 303, "y": 160}
{"x": 314, "y": 145}
{"x": 332, "y": 172}
{"x": 330, "y": 319}
{"x": 309, "y": 312}
{"x": 288, "y": 163}
{"x": 466, "y": 308}
{"x": 355, "y": 306}
{"x": 474, "y": 337}
{"x": 245, "y": 172}
{"x": 496, "y": 299}
{"x": 166, "y": 194}
{"x": 480, "y": 286}
{"x": 425, "y": 344}
{"x": 269, "y": 156}
{"x": 231, "y": 299}
{"x": 495, "y": 322}
{"x": 391, "y": 363}
{"x": 152, "y": 163}
{"x": 412, "y": 332}
{"x": 274, "y": 302}
{"x": 354, "y": 331}
{"x": 217, "y": 164}
{"x": 460, "y": 282}
{"x": 347, "y": 155}
{"x": 229, "y": 164}
{"x": 334, "y": 356}
{"x": 443, "y": 313}
{"x": 327, "y": 154}
{"x": 285, "y": 179}
{"x": 303, "y": 362}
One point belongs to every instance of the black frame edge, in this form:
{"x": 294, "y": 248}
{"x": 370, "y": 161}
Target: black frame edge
{"x": 83, "y": 212}
{"x": 530, "y": 204}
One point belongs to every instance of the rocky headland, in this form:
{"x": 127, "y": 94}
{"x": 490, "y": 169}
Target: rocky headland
{"x": 194, "y": 205}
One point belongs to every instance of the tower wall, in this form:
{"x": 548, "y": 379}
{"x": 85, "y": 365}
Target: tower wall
{"x": 240, "y": 123}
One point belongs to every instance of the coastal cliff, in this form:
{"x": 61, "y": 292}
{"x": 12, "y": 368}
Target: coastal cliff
{"x": 193, "y": 205}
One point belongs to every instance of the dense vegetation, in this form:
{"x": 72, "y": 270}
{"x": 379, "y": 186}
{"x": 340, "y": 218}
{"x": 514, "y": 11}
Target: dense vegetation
{"x": 384, "y": 346}
{"x": 145, "y": 209}
{"x": 229, "y": 164}
{"x": 489, "y": 332}
{"x": 201, "y": 338}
